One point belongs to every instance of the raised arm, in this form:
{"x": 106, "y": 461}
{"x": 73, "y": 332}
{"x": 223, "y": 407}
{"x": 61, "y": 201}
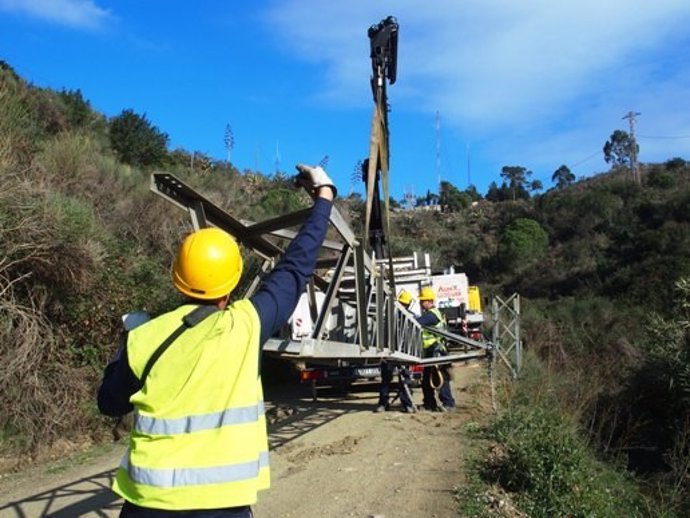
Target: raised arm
{"x": 280, "y": 291}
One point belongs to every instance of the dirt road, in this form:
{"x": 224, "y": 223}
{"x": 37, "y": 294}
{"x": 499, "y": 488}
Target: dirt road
{"x": 330, "y": 458}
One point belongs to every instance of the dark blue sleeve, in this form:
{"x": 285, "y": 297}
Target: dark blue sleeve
{"x": 428, "y": 319}
{"x": 280, "y": 291}
{"x": 118, "y": 385}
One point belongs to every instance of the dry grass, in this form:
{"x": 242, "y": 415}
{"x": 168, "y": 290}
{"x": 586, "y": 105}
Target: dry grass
{"x": 39, "y": 390}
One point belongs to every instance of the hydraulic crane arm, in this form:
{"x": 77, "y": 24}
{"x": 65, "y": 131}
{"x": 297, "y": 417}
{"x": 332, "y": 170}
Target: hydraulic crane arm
{"x": 383, "y": 39}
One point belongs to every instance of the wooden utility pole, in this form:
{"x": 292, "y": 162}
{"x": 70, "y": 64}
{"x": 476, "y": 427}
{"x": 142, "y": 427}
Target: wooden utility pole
{"x": 633, "y": 147}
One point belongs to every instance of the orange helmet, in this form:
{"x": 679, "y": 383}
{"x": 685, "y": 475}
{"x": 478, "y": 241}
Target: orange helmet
{"x": 208, "y": 264}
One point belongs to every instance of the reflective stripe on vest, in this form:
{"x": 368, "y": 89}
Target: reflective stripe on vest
{"x": 231, "y": 416}
{"x": 428, "y": 338}
{"x": 180, "y": 477}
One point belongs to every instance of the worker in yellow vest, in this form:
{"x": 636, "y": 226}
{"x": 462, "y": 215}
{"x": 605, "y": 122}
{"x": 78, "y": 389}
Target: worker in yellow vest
{"x": 198, "y": 446}
{"x": 433, "y": 346}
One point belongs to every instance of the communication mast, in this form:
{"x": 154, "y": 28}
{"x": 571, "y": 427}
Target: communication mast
{"x": 438, "y": 150}
{"x": 276, "y": 160}
{"x": 409, "y": 197}
{"x": 469, "y": 165}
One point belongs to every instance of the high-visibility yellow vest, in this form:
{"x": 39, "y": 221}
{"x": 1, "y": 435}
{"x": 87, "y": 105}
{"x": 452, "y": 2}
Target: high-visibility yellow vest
{"x": 428, "y": 338}
{"x": 199, "y": 437}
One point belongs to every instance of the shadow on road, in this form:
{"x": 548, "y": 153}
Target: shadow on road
{"x": 90, "y": 496}
{"x": 295, "y": 415}
{"x": 290, "y": 415}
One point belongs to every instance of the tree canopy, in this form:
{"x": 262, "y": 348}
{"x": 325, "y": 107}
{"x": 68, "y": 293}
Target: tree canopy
{"x": 563, "y": 177}
{"x": 517, "y": 177}
{"x": 453, "y": 199}
{"x": 619, "y": 149}
{"x": 136, "y": 141}
{"x": 523, "y": 241}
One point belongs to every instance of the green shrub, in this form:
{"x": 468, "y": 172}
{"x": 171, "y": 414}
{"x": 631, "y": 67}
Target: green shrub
{"x": 280, "y": 201}
{"x": 67, "y": 162}
{"x": 75, "y": 248}
{"x": 541, "y": 459}
{"x": 126, "y": 282}
{"x": 16, "y": 138}
{"x": 523, "y": 242}
{"x": 660, "y": 395}
{"x": 136, "y": 141}
{"x": 79, "y": 114}
{"x": 675, "y": 164}
{"x": 40, "y": 387}
{"x": 661, "y": 179}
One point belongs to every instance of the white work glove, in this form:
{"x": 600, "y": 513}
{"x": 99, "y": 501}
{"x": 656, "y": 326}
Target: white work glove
{"x": 313, "y": 178}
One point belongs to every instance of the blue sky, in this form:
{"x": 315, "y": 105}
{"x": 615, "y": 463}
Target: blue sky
{"x": 534, "y": 83}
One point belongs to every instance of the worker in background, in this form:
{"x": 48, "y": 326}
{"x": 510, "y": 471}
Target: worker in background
{"x": 404, "y": 378}
{"x": 434, "y": 347}
{"x": 199, "y": 447}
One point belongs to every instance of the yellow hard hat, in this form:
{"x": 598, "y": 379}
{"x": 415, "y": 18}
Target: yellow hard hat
{"x": 405, "y": 297}
{"x": 427, "y": 293}
{"x": 208, "y": 264}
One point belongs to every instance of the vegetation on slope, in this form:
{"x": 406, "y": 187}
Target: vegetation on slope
{"x": 602, "y": 264}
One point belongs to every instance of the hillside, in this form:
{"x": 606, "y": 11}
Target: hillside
{"x": 602, "y": 265}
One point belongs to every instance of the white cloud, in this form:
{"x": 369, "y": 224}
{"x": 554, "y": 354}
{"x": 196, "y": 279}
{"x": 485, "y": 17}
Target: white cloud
{"x": 84, "y": 14}
{"x": 564, "y": 72}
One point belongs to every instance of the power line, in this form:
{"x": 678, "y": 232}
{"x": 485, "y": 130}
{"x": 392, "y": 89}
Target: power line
{"x": 587, "y": 158}
{"x": 669, "y": 137}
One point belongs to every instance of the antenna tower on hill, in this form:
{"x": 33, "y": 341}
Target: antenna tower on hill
{"x": 276, "y": 160}
{"x": 438, "y": 150}
{"x": 409, "y": 197}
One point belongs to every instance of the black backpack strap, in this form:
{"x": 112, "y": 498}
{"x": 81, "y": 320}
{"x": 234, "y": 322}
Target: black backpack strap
{"x": 189, "y": 320}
